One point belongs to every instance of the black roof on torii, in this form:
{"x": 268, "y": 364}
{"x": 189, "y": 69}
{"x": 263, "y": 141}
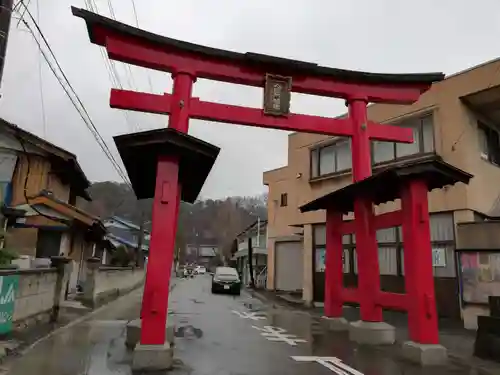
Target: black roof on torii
{"x": 251, "y": 58}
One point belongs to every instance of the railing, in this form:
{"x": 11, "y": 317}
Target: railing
{"x": 261, "y": 279}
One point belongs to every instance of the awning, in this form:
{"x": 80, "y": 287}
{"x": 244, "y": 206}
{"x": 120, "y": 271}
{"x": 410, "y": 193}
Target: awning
{"x": 56, "y": 212}
{"x": 244, "y": 252}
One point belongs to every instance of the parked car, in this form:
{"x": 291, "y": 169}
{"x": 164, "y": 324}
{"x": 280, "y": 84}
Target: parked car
{"x": 200, "y": 270}
{"x": 226, "y": 280}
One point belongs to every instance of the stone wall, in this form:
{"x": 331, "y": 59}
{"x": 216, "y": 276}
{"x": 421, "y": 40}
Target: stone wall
{"x": 34, "y": 296}
{"x": 103, "y": 284}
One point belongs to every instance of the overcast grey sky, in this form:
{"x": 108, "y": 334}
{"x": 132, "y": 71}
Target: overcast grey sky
{"x": 390, "y": 36}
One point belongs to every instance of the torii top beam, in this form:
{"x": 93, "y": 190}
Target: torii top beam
{"x": 135, "y": 46}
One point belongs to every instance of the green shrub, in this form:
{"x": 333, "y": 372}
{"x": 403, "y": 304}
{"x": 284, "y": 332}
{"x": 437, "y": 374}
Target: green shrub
{"x": 6, "y": 255}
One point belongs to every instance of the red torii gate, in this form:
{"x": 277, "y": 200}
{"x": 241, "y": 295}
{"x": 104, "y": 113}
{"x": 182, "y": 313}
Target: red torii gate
{"x": 187, "y": 62}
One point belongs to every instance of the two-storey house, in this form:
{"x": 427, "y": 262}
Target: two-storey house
{"x": 457, "y": 120}
{"x": 122, "y": 232}
{"x": 43, "y": 192}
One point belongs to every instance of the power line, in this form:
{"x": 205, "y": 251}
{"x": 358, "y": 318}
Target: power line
{"x": 135, "y": 13}
{"x": 40, "y": 80}
{"x": 132, "y": 83}
{"x": 111, "y": 9}
{"x": 111, "y": 66}
{"x": 114, "y": 77}
{"x": 76, "y": 100}
{"x": 21, "y": 14}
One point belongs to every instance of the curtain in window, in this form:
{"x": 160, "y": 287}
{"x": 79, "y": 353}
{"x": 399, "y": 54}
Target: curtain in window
{"x": 314, "y": 163}
{"x": 442, "y": 227}
{"x": 345, "y": 261}
{"x": 346, "y": 239}
{"x": 386, "y": 235}
{"x": 387, "y": 260}
{"x": 382, "y": 151}
{"x": 405, "y": 149}
{"x": 428, "y": 133}
{"x": 319, "y": 232}
{"x": 327, "y": 160}
{"x": 344, "y": 160}
{"x": 355, "y": 261}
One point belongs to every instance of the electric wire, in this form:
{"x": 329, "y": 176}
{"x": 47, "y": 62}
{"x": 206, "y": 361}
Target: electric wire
{"x": 76, "y": 101}
{"x": 91, "y": 5}
{"x": 135, "y": 13}
{"x": 40, "y": 79}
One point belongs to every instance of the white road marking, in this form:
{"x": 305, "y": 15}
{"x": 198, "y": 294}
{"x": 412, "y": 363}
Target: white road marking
{"x": 332, "y": 363}
{"x": 271, "y": 333}
{"x": 248, "y": 315}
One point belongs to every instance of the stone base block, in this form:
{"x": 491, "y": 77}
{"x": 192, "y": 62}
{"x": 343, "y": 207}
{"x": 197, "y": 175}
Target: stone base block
{"x": 134, "y": 333}
{"x": 372, "y": 333}
{"x": 335, "y": 324}
{"x": 424, "y": 354}
{"x": 153, "y": 357}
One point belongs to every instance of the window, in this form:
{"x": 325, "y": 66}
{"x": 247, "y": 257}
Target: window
{"x": 337, "y": 157}
{"x": 331, "y": 159}
{"x": 489, "y": 144}
{"x": 423, "y": 142}
{"x": 284, "y": 200}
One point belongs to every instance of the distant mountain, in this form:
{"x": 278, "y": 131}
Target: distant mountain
{"x": 220, "y": 219}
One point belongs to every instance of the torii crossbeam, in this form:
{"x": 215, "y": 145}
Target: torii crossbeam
{"x": 279, "y": 77}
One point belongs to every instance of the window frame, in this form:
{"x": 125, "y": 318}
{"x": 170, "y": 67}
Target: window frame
{"x": 315, "y": 172}
{"x": 284, "y": 200}
{"x": 489, "y": 155}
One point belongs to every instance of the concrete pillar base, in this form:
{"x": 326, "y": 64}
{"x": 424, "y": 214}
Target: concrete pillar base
{"x": 372, "y": 333}
{"x": 153, "y": 357}
{"x": 335, "y": 324}
{"x": 424, "y": 354}
{"x": 134, "y": 333}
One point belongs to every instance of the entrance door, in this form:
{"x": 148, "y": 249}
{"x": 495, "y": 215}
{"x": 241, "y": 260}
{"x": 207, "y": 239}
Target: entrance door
{"x": 289, "y": 266}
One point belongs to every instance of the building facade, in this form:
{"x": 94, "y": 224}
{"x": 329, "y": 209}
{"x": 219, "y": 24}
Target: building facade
{"x": 256, "y": 233}
{"x": 43, "y": 193}
{"x": 203, "y": 253}
{"x": 456, "y": 120}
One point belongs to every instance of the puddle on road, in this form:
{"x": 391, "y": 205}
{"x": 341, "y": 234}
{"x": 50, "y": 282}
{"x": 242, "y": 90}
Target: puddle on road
{"x": 254, "y": 305}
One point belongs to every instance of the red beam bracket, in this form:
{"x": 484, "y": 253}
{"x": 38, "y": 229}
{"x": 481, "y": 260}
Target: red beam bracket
{"x": 140, "y": 101}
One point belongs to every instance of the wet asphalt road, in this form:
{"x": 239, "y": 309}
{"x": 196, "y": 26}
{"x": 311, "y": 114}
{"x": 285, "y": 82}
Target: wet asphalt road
{"x": 216, "y": 335}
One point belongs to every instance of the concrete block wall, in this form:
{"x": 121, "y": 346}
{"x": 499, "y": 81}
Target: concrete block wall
{"x": 103, "y": 284}
{"x": 118, "y": 278}
{"x": 34, "y": 297}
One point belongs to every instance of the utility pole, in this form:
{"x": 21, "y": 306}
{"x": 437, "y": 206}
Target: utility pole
{"x": 139, "y": 258}
{"x": 5, "y": 18}
{"x": 250, "y": 261}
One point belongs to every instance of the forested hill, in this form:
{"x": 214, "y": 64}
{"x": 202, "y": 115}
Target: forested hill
{"x": 212, "y": 219}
